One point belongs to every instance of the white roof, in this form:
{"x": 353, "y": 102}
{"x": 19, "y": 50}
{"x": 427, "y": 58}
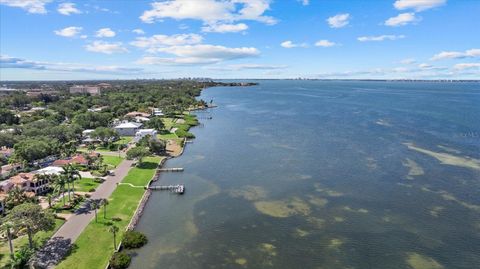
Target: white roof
{"x": 87, "y": 131}
{"x": 128, "y": 125}
{"x": 49, "y": 170}
{"x": 146, "y": 131}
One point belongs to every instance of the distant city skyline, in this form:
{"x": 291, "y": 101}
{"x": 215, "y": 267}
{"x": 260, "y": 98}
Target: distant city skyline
{"x": 316, "y": 39}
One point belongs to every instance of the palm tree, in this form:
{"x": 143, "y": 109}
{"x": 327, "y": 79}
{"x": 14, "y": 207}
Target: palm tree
{"x": 59, "y": 186}
{"x": 95, "y": 205}
{"x": 104, "y": 203}
{"x": 114, "y": 229}
{"x": 6, "y": 227}
{"x": 16, "y": 196}
{"x": 71, "y": 174}
{"x": 49, "y": 199}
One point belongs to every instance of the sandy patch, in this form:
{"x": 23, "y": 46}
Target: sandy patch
{"x": 360, "y": 210}
{"x": 327, "y": 191}
{"x": 283, "y": 208}
{"x": 300, "y": 233}
{"x": 173, "y": 148}
{"x": 436, "y": 210}
{"x": 241, "y": 261}
{"x": 449, "y": 159}
{"x": 417, "y": 261}
{"x": 414, "y": 168}
{"x": 450, "y": 197}
{"x": 335, "y": 243}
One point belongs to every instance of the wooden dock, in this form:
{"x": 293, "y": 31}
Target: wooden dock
{"x": 175, "y": 169}
{"x": 180, "y": 188}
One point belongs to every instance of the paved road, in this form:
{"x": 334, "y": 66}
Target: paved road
{"x": 75, "y": 224}
{"x": 73, "y": 227}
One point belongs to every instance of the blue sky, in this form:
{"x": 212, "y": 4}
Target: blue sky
{"x": 419, "y": 39}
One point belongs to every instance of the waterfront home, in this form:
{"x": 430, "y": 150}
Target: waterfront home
{"x": 78, "y": 159}
{"x": 29, "y": 182}
{"x": 127, "y": 128}
{"x": 49, "y": 170}
{"x": 144, "y": 132}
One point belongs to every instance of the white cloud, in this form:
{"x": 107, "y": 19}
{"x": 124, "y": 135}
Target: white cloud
{"x": 138, "y": 31}
{"x": 238, "y": 67}
{"x": 67, "y": 9}
{"x": 425, "y": 66}
{"x": 324, "y": 43}
{"x": 339, "y": 20}
{"x": 304, "y": 2}
{"x": 31, "y": 6}
{"x": 402, "y": 19}
{"x": 200, "y": 54}
{"x": 106, "y": 47}
{"x": 463, "y": 66}
{"x": 105, "y": 32}
{"x": 418, "y": 5}
{"x": 71, "y": 31}
{"x": 408, "y": 61}
{"x": 472, "y": 53}
{"x": 13, "y": 62}
{"x": 210, "y": 12}
{"x": 225, "y": 28}
{"x": 380, "y": 38}
{"x": 289, "y": 44}
{"x": 154, "y": 43}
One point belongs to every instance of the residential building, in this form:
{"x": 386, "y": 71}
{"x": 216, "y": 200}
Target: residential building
{"x": 128, "y": 128}
{"x": 7, "y": 152}
{"x": 84, "y": 89}
{"x": 134, "y": 114}
{"x": 29, "y": 182}
{"x": 7, "y": 169}
{"x": 144, "y": 132}
{"x": 78, "y": 159}
{"x": 157, "y": 112}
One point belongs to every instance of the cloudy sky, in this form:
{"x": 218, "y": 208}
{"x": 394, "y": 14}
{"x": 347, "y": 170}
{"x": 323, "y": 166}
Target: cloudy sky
{"x": 420, "y": 39}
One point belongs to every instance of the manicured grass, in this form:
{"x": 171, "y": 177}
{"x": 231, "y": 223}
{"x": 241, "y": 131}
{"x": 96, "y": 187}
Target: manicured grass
{"x": 168, "y": 122}
{"x": 112, "y": 160}
{"x": 167, "y": 136}
{"x": 95, "y": 245}
{"x": 85, "y": 184}
{"x": 40, "y": 238}
{"x": 123, "y": 140}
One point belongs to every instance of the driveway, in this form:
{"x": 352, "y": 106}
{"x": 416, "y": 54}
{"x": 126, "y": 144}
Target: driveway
{"x": 74, "y": 226}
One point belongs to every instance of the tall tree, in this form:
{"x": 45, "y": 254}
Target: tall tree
{"x": 114, "y": 229}
{"x": 59, "y": 186}
{"x": 104, "y": 203}
{"x": 7, "y": 228}
{"x": 71, "y": 174}
{"x": 32, "y": 218}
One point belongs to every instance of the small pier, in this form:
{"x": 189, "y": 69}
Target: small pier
{"x": 175, "y": 169}
{"x": 180, "y": 188}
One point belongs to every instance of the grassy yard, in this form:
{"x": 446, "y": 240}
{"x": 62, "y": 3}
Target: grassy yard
{"x": 167, "y": 136}
{"x": 124, "y": 140}
{"x": 39, "y": 239}
{"x": 112, "y": 160}
{"x": 95, "y": 244}
{"x": 85, "y": 184}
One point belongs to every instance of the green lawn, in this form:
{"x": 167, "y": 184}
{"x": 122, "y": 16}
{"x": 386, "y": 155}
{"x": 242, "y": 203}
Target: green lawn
{"x": 95, "y": 244}
{"x": 85, "y": 184}
{"x": 124, "y": 140}
{"x": 40, "y": 238}
{"x": 167, "y": 136}
{"x": 112, "y": 160}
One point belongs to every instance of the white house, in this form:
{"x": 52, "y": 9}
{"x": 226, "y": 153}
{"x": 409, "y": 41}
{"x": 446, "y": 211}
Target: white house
{"x": 144, "y": 132}
{"x": 87, "y": 132}
{"x": 49, "y": 170}
{"x": 157, "y": 112}
{"x": 128, "y": 128}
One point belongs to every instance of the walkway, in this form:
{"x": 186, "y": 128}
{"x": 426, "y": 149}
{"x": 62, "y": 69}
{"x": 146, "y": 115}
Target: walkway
{"x": 55, "y": 248}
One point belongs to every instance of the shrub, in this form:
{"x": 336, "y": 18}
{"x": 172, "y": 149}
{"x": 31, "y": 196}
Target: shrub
{"x": 133, "y": 239}
{"x": 91, "y": 190}
{"x": 116, "y": 219}
{"x": 120, "y": 260}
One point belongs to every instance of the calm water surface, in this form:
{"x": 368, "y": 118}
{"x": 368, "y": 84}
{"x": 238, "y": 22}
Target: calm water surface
{"x": 315, "y": 174}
